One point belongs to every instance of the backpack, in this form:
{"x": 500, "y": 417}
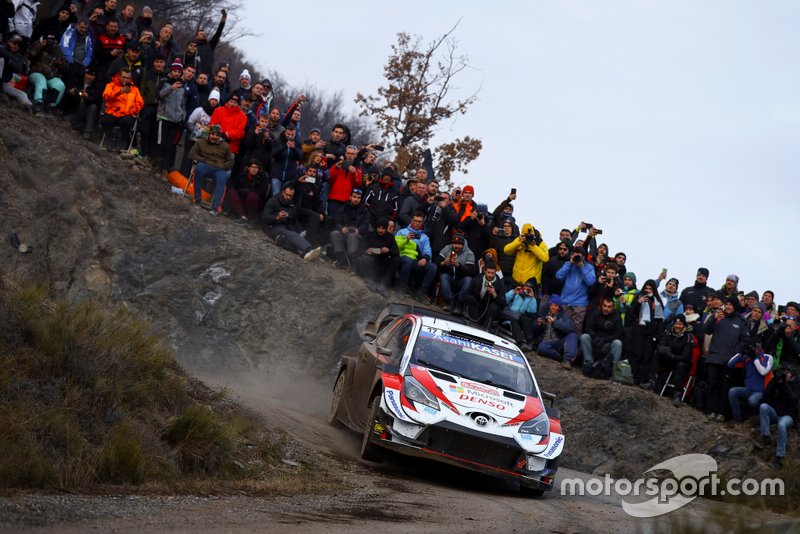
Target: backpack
{"x": 24, "y": 17}
{"x": 602, "y": 368}
{"x": 622, "y": 374}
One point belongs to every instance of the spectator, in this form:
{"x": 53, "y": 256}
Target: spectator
{"x": 414, "y": 202}
{"x": 381, "y": 199}
{"x": 206, "y": 47}
{"x": 520, "y": 313}
{"x": 335, "y": 147}
{"x": 47, "y": 66}
{"x": 170, "y": 115}
{"x": 191, "y": 57}
{"x": 109, "y": 47}
{"x": 784, "y": 341}
{"x": 729, "y": 332}
{"x": 203, "y": 88}
{"x": 250, "y": 191}
{"x": 344, "y": 177}
{"x": 190, "y": 94}
{"x": 130, "y": 60}
{"x": 731, "y": 286}
{"x": 258, "y": 141}
{"x": 578, "y": 276}
{"x": 144, "y": 22}
{"x": 415, "y": 258}
{"x": 673, "y": 354}
{"x": 456, "y": 268}
{"x": 770, "y": 310}
{"x": 286, "y": 156}
{"x": 219, "y": 83}
{"x": 603, "y": 336}
{"x": 757, "y": 328}
{"x": 351, "y": 223}
{"x": 85, "y": 101}
{"x": 501, "y": 238}
{"x": 123, "y": 104}
{"x": 473, "y": 223}
{"x": 380, "y": 260}
{"x": 645, "y": 320}
{"x": 57, "y": 24}
{"x": 627, "y": 294}
{"x": 489, "y": 257}
{"x": 310, "y": 214}
{"x": 166, "y": 45}
{"x": 212, "y": 157}
{"x": 504, "y": 212}
{"x": 696, "y": 294}
{"x": 757, "y": 366}
{"x": 314, "y": 142}
{"x": 779, "y": 406}
{"x": 605, "y": 287}
{"x": 620, "y": 258}
{"x": 127, "y": 23}
{"x": 440, "y": 221}
{"x": 530, "y": 254}
{"x": 557, "y": 334}
{"x": 156, "y": 74}
{"x": 279, "y": 220}
{"x": 200, "y": 118}
{"x": 77, "y": 47}
{"x": 669, "y": 296}
{"x": 148, "y": 49}
{"x": 13, "y": 64}
{"x": 485, "y": 299}
{"x": 750, "y": 302}
{"x": 245, "y": 87}
{"x": 233, "y": 122}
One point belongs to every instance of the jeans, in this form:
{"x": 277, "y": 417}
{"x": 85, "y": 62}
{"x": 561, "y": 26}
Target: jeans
{"x": 446, "y": 280}
{"x": 409, "y": 266}
{"x": 347, "y": 243}
{"x": 201, "y": 170}
{"x": 552, "y": 348}
{"x": 737, "y": 395}
{"x": 40, "y": 83}
{"x": 615, "y": 347}
{"x": 785, "y": 422}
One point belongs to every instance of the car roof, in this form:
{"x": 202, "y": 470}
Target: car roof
{"x": 458, "y": 327}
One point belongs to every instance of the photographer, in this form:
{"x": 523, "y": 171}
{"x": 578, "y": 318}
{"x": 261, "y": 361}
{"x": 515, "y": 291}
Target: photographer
{"x": 415, "y": 258}
{"x": 440, "y": 220}
{"x": 504, "y": 212}
{"x": 123, "y": 104}
{"x": 784, "y": 341}
{"x": 605, "y": 287}
{"x": 520, "y": 312}
{"x": 456, "y": 268}
{"x": 578, "y": 276}
{"x": 171, "y": 113}
{"x": 779, "y": 406}
{"x": 485, "y": 299}
{"x": 344, "y": 177}
{"x": 530, "y": 254}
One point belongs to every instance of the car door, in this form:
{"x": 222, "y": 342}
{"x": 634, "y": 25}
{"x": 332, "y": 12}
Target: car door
{"x": 394, "y": 338}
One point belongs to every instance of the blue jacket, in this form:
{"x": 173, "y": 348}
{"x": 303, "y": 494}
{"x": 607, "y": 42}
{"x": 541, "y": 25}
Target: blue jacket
{"x": 68, "y": 42}
{"x": 423, "y": 244}
{"x": 520, "y": 304}
{"x": 755, "y": 369}
{"x": 577, "y": 281}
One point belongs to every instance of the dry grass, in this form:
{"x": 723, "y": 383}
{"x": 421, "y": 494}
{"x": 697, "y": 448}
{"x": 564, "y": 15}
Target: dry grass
{"x": 90, "y": 400}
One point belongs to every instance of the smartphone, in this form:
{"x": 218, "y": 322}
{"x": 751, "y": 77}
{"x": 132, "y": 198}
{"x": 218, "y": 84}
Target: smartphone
{"x": 513, "y": 190}
{"x": 664, "y": 271}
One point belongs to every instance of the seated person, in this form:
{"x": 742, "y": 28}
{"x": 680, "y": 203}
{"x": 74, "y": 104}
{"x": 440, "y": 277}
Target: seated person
{"x": 673, "y": 354}
{"x": 351, "y": 223}
{"x": 212, "y": 157}
{"x": 380, "y": 259}
{"x": 557, "y": 333}
{"x": 456, "y": 268}
{"x": 485, "y": 299}
{"x": 415, "y": 257}
{"x": 279, "y": 220}
{"x": 757, "y": 365}
{"x": 602, "y": 337}
{"x": 779, "y": 406}
{"x": 308, "y": 199}
{"x": 123, "y": 104}
{"x": 82, "y": 103}
{"x": 520, "y": 312}
{"x": 250, "y": 191}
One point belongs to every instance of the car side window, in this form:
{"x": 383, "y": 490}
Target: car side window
{"x": 397, "y": 344}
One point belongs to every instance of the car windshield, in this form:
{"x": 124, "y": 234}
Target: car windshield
{"x": 473, "y": 360}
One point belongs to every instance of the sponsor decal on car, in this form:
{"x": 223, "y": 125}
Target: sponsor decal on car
{"x": 391, "y": 398}
{"x": 456, "y": 389}
{"x": 472, "y": 345}
{"x": 557, "y": 443}
{"x": 526, "y": 437}
{"x": 479, "y": 387}
{"x": 430, "y": 411}
{"x": 479, "y": 400}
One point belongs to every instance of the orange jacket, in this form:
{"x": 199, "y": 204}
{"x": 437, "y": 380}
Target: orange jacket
{"x": 119, "y": 104}
{"x": 233, "y": 122}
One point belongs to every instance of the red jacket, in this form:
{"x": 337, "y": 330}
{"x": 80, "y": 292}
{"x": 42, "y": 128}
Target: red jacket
{"x": 342, "y": 183}
{"x": 120, "y": 104}
{"x": 233, "y": 122}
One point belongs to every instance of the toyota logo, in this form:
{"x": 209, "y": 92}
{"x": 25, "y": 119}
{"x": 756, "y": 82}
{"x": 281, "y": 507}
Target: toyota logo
{"x": 481, "y": 420}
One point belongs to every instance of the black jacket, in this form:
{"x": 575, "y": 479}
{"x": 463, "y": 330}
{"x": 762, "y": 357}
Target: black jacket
{"x": 206, "y": 48}
{"x": 373, "y": 240}
{"x": 783, "y": 396}
{"x": 477, "y": 285}
{"x": 603, "y": 329}
{"x": 274, "y": 206}
{"x": 730, "y": 333}
{"x": 696, "y": 296}
{"x": 676, "y": 348}
{"x": 353, "y": 216}
{"x": 381, "y": 201}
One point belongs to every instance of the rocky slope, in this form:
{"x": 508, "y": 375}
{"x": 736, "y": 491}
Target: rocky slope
{"x": 233, "y": 305}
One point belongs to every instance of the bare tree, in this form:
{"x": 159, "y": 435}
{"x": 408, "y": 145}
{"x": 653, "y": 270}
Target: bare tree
{"x": 417, "y": 98}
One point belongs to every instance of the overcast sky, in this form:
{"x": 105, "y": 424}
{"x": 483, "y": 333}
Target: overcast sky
{"x": 673, "y": 125}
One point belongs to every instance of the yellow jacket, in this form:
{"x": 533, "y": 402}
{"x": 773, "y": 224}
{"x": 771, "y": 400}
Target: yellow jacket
{"x": 529, "y": 256}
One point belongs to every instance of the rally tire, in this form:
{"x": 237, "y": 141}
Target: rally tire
{"x": 370, "y": 451}
{"x": 336, "y": 401}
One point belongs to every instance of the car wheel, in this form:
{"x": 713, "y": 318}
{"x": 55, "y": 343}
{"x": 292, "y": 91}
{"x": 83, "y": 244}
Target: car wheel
{"x": 336, "y": 401}
{"x": 370, "y": 451}
{"x": 531, "y": 492}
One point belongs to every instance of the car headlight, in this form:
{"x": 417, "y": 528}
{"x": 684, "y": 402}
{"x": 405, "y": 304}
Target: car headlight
{"x": 539, "y": 425}
{"x": 415, "y": 391}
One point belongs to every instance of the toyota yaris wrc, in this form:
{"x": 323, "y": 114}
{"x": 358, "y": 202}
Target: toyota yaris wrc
{"x": 430, "y": 387}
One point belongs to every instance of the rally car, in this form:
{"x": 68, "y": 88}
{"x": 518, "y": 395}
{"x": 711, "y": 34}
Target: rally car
{"x": 425, "y": 384}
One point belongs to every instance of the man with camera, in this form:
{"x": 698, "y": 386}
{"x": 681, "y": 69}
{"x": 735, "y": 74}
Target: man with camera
{"x": 530, "y": 254}
{"x": 485, "y": 299}
{"x": 415, "y": 258}
{"x": 171, "y": 114}
{"x": 779, "y": 406}
{"x": 344, "y": 177}
{"x": 757, "y": 365}
{"x": 440, "y": 220}
{"x": 456, "y": 268}
{"x": 123, "y": 104}
{"x": 784, "y": 341}
{"x": 578, "y": 276}
{"x": 381, "y": 198}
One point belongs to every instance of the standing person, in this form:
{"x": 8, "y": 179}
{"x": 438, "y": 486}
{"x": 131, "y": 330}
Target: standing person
{"x": 148, "y": 118}
{"x": 344, "y": 176}
{"x": 77, "y": 47}
{"x": 381, "y": 198}
{"x": 212, "y": 157}
{"x": 578, "y": 276}
{"x": 206, "y": 47}
{"x": 84, "y": 104}
{"x": 530, "y": 254}
{"x": 728, "y": 334}
{"x": 647, "y": 315}
{"x": 170, "y": 115}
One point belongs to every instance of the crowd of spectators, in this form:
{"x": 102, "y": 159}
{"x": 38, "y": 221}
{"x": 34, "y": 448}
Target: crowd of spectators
{"x": 727, "y": 352}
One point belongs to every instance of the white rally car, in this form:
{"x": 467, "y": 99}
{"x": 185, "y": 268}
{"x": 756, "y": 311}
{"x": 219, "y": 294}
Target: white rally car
{"x": 426, "y": 385}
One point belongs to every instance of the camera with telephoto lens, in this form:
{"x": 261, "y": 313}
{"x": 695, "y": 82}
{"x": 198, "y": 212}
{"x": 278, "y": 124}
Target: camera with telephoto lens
{"x": 438, "y": 198}
{"x": 379, "y": 148}
{"x": 529, "y": 237}
{"x": 577, "y": 258}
